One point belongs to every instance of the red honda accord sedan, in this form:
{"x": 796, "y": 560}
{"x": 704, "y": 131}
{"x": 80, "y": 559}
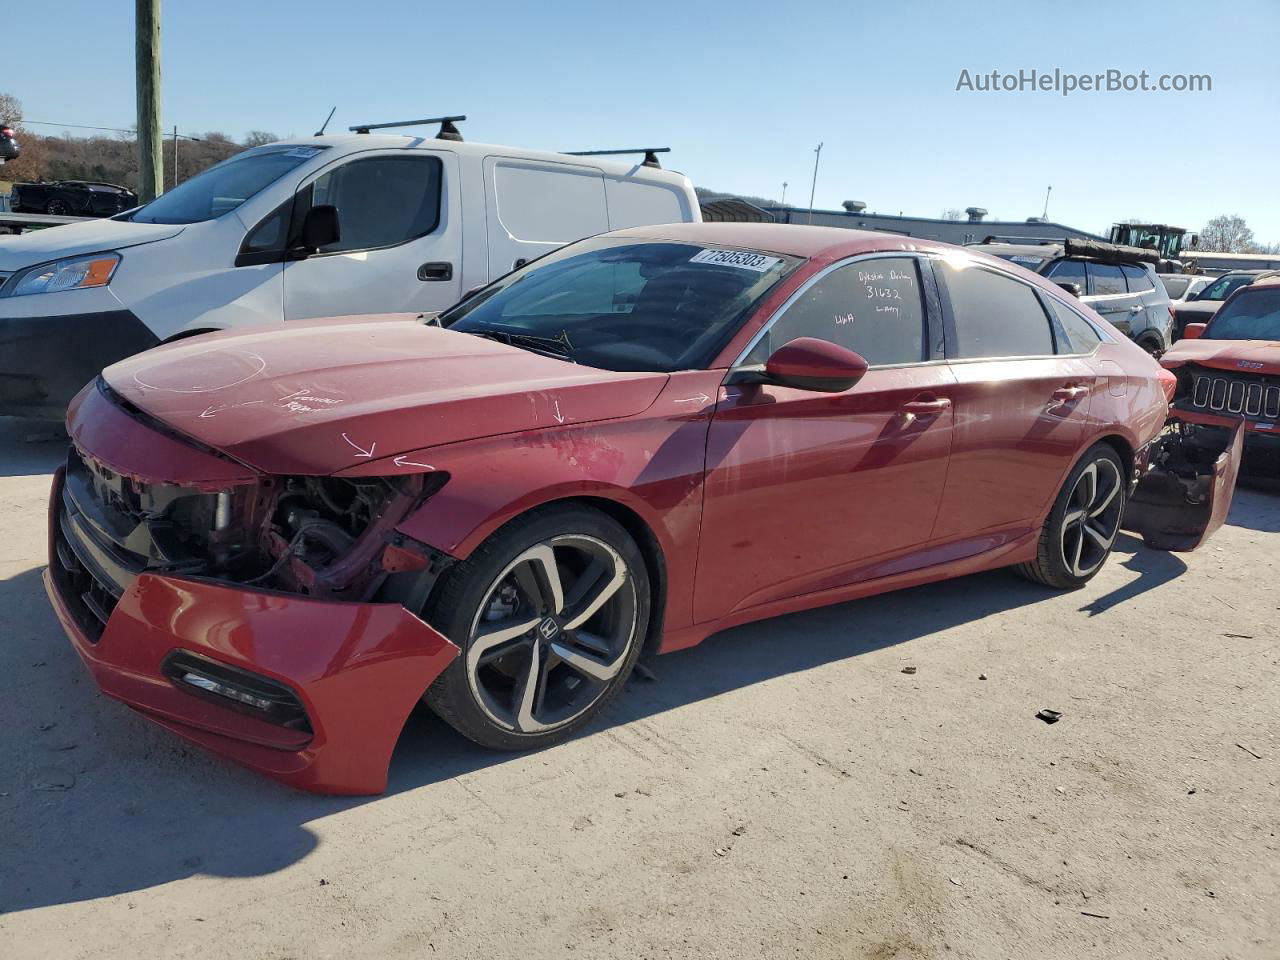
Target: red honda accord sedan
{"x": 275, "y": 543}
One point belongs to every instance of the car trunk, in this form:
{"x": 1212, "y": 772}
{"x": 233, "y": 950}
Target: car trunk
{"x": 1186, "y": 492}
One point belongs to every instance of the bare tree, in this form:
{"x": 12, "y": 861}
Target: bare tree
{"x": 953, "y": 213}
{"x": 256, "y": 138}
{"x": 33, "y": 163}
{"x": 1226, "y": 234}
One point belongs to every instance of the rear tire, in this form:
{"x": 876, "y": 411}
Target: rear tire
{"x": 550, "y": 614}
{"x": 1082, "y": 527}
{"x": 57, "y": 208}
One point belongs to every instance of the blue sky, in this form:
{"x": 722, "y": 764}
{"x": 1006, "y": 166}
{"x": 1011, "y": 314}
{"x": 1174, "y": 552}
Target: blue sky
{"x": 742, "y": 91}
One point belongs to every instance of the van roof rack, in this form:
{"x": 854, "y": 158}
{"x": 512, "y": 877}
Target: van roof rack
{"x": 447, "y": 129}
{"x": 650, "y": 154}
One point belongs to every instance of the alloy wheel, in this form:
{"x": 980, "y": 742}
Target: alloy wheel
{"x": 1091, "y": 520}
{"x": 552, "y": 633}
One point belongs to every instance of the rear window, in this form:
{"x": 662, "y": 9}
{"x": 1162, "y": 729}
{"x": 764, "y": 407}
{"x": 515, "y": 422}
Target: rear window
{"x": 1253, "y": 315}
{"x": 1138, "y": 280}
{"x": 995, "y": 315}
{"x": 1223, "y": 287}
{"x": 1176, "y": 286}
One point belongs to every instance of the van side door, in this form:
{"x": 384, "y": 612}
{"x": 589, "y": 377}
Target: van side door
{"x": 400, "y": 249}
{"x": 534, "y": 206}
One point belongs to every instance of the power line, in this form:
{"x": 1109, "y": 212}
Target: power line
{"x": 81, "y": 126}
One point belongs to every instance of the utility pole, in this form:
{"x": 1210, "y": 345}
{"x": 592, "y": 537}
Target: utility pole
{"x": 175, "y": 154}
{"x": 147, "y": 56}
{"x": 817, "y": 155}
{"x": 784, "y": 193}
{"x": 1045, "y": 215}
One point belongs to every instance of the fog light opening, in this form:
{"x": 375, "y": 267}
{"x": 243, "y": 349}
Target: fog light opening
{"x": 225, "y": 690}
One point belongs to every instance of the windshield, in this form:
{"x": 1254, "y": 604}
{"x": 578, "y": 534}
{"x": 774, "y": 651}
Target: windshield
{"x": 1254, "y": 315}
{"x": 623, "y": 304}
{"x": 1023, "y": 260}
{"x": 222, "y": 188}
{"x": 1223, "y": 287}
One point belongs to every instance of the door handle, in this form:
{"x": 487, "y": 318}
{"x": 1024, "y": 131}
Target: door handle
{"x": 1067, "y": 394}
{"x": 1135, "y": 309}
{"x": 437, "y": 270}
{"x": 924, "y": 408}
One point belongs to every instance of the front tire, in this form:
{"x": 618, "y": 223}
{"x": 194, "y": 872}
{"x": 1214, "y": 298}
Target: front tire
{"x": 58, "y": 208}
{"x": 1082, "y": 527}
{"x": 550, "y": 614}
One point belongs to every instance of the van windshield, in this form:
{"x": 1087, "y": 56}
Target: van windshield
{"x": 621, "y": 304}
{"x": 222, "y": 188}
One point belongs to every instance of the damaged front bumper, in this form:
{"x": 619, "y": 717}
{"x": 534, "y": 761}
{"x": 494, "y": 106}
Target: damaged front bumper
{"x": 1185, "y": 493}
{"x": 311, "y": 692}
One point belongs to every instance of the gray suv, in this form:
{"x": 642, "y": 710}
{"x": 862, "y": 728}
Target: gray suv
{"x": 1124, "y": 287}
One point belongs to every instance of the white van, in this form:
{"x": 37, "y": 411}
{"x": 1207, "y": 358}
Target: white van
{"x": 329, "y": 226}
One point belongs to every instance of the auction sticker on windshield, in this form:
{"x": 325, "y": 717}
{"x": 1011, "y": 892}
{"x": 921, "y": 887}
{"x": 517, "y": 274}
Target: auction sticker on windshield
{"x": 735, "y": 258}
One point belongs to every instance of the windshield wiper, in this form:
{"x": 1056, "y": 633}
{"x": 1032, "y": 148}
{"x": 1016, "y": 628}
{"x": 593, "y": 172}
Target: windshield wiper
{"x": 559, "y": 347}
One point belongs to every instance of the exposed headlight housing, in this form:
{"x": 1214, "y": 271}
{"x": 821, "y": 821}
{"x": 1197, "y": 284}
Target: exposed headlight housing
{"x": 73, "y": 273}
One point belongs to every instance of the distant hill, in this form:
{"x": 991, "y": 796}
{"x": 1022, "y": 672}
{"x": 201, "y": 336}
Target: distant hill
{"x": 707, "y": 194}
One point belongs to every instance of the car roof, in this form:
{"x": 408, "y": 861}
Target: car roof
{"x": 789, "y": 239}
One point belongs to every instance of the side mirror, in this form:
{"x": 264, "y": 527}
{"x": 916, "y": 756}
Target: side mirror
{"x": 807, "y": 363}
{"x": 1195, "y": 240}
{"x": 1071, "y": 288}
{"x": 1193, "y": 331}
{"x": 320, "y": 228}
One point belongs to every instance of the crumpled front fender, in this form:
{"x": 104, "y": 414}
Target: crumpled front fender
{"x": 357, "y": 668}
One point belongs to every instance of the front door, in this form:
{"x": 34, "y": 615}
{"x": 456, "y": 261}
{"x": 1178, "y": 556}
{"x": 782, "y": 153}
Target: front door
{"x": 808, "y": 491}
{"x": 400, "y": 251}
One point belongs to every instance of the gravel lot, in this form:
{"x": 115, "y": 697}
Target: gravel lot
{"x": 783, "y": 790}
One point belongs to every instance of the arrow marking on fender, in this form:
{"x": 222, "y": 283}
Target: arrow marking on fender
{"x": 702, "y": 396}
{"x": 360, "y": 451}
{"x": 400, "y": 461}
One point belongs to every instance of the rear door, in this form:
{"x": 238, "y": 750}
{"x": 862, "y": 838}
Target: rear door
{"x": 400, "y": 250}
{"x": 1109, "y": 295}
{"x": 1020, "y": 406}
{"x": 535, "y": 206}
{"x": 1151, "y": 321}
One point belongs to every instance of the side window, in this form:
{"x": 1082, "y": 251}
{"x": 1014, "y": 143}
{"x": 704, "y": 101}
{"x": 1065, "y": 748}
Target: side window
{"x": 1105, "y": 279}
{"x": 381, "y": 201}
{"x": 1079, "y": 333}
{"x": 1068, "y": 271}
{"x": 873, "y": 307}
{"x": 1137, "y": 279}
{"x": 995, "y": 315}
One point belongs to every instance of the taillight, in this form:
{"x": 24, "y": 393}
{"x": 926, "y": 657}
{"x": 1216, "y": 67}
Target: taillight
{"x": 6, "y": 132}
{"x": 1169, "y": 382}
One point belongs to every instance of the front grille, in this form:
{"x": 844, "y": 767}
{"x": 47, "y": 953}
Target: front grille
{"x": 1253, "y": 398}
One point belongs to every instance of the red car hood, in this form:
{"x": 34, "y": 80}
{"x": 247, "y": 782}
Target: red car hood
{"x": 1261, "y": 356}
{"x": 316, "y": 397}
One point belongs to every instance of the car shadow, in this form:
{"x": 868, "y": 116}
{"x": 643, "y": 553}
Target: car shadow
{"x": 31, "y": 447}
{"x": 96, "y": 801}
